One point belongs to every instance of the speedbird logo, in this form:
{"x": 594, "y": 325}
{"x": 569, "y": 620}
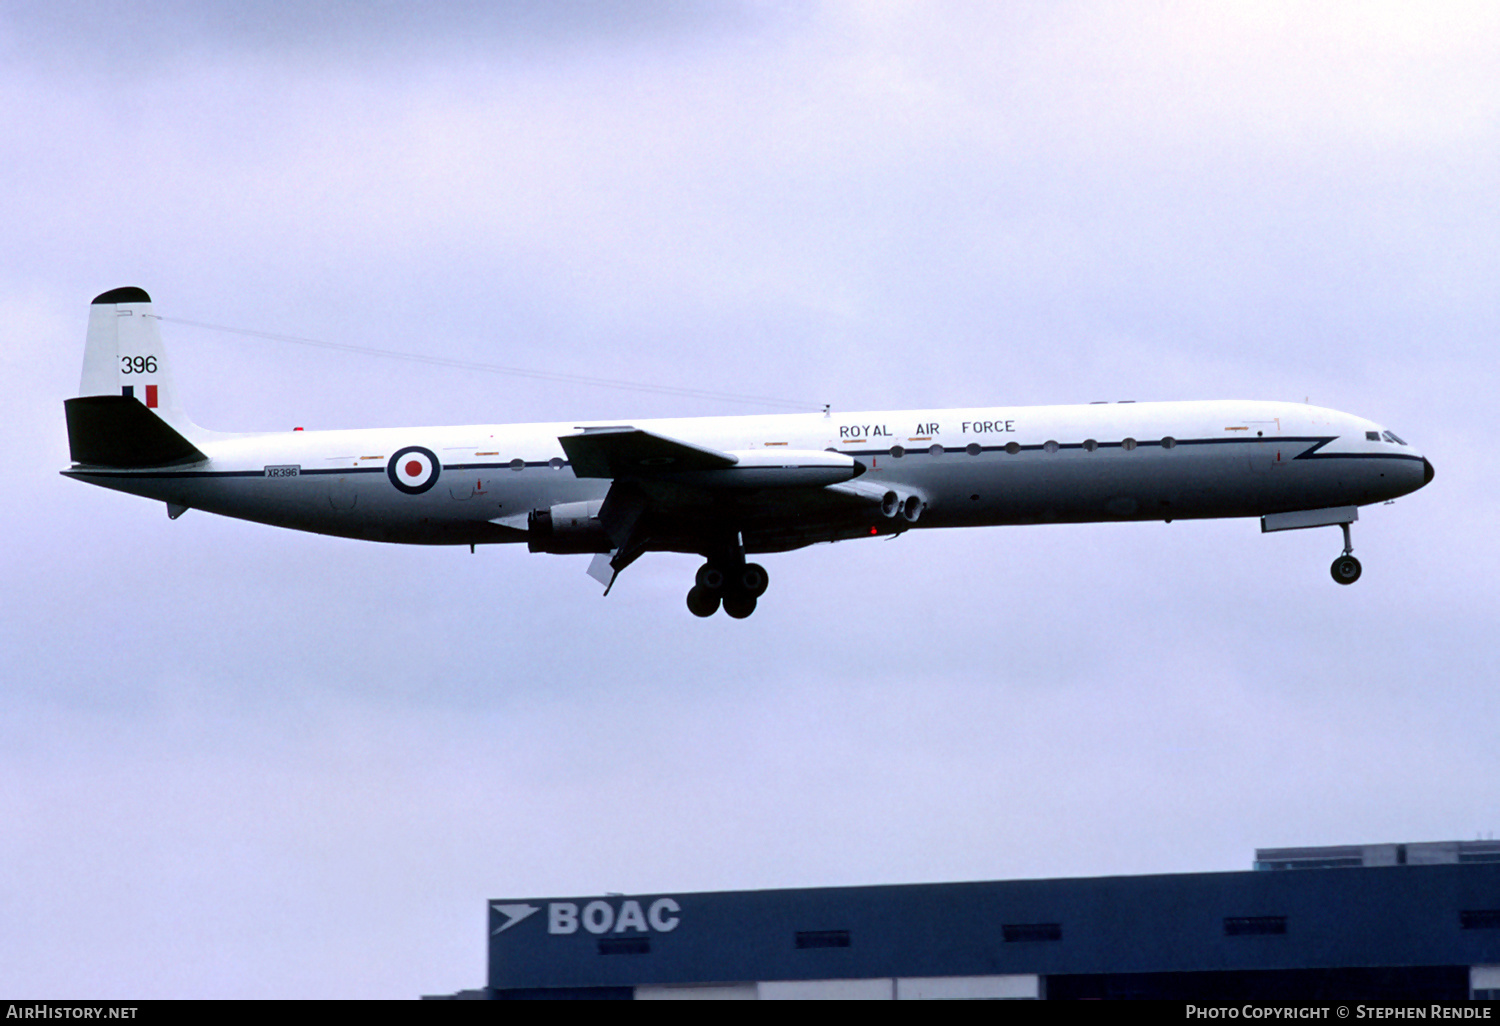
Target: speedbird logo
{"x": 513, "y": 914}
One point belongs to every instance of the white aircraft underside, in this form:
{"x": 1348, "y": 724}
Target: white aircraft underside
{"x": 726, "y": 487}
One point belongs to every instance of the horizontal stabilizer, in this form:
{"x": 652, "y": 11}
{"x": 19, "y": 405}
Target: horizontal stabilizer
{"x": 118, "y": 431}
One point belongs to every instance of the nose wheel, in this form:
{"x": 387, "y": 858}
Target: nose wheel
{"x": 1346, "y": 568}
{"x": 736, "y": 588}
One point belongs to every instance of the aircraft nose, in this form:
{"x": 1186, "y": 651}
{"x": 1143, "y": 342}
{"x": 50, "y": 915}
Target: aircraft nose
{"x": 1427, "y": 472}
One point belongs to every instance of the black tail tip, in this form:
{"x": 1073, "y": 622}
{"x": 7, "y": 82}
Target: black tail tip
{"x": 128, "y": 294}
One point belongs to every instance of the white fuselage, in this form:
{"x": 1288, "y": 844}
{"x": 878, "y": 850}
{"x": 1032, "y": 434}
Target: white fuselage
{"x": 968, "y": 467}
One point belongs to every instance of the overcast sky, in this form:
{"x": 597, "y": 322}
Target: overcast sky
{"x": 241, "y": 761}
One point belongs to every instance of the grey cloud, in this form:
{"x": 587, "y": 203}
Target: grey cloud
{"x": 137, "y": 38}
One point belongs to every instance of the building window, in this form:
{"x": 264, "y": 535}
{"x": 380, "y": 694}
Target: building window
{"x": 1020, "y": 933}
{"x": 1480, "y": 919}
{"x": 822, "y": 938}
{"x": 625, "y": 945}
{"x": 1254, "y": 926}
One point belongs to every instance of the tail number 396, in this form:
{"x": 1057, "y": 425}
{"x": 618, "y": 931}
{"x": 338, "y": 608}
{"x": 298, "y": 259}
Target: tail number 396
{"x": 137, "y": 365}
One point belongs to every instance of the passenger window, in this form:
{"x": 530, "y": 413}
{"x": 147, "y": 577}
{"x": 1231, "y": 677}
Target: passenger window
{"x": 972, "y": 449}
{"x": 1089, "y": 445}
{"x": 1128, "y": 444}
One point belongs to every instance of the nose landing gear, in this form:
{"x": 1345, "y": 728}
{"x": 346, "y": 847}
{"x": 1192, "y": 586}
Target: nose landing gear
{"x": 1346, "y": 568}
{"x": 721, "y": 582}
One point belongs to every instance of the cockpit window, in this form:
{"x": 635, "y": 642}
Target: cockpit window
{"x": 1372, "y": 436}
{"x": 1389, "y": 437}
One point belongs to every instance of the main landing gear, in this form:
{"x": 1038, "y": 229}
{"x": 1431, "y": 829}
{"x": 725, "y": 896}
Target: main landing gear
{"x": 1346, "y": 568}
{"x": 733, "y": 583}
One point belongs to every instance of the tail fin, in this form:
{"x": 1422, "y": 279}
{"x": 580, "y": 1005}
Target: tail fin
{"x": 124, "y": 356}
{"x": 123, "y": 360}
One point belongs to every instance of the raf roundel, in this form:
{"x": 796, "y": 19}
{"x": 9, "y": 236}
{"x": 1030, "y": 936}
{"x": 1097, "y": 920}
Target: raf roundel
{"x": 413, "y": 470}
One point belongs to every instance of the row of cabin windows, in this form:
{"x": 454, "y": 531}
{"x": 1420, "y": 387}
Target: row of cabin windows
{"x": 556, "y": 463}
{"x": 974, "y": 448}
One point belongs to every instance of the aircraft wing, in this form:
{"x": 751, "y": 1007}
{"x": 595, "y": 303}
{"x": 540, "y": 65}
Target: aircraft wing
{"x": 627, "y": 452}
{"x": 674, "y": 494}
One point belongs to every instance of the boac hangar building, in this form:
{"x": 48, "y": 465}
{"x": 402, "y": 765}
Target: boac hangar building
{"x": 1385, "y": 922}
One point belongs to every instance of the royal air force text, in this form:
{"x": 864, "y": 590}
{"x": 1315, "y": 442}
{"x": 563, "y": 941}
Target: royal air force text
{"x": 970, "y": 427}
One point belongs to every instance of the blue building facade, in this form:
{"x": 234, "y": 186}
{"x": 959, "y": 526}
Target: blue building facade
{"x": 1396, "y": 931}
